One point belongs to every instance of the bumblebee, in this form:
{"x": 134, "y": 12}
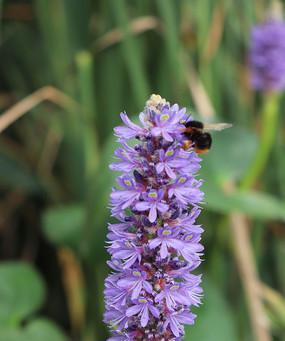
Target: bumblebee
{"x": 197, "y": 136}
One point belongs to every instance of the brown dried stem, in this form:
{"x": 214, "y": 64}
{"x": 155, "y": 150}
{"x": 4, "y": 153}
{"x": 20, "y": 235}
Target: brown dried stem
{"x": 73, "y": 285}
{"x": 47, "y": 93}
{"x": 138, "y": 25}
{"x": 249, "y": 277}
{"x": 198, "y": 92}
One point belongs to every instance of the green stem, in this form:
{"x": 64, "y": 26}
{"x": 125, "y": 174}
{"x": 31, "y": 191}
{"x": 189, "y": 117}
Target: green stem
{"x": 95, "y": 329}
{"x": 166, "y": 9}
{"x": 269, "y": 125}
{"x": 131, "y": 53}
{"x": 85, "y": 67}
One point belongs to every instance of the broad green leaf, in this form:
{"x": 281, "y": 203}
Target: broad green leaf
{"x": 215, "y": 318}
{"x": 255, "y": 204}
{"x": 63, "y": 225}
{"x": 22, "y": 292}
{"x": 43, "y": 330}
{"x": 37, "y": 330}
{"x": 230, "y": 156}
{"x": 11, "y": 334}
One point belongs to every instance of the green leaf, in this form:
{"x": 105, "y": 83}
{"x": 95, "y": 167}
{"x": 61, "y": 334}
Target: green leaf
{"x": 11, "y": 334}
{"x": 230, "y": 156}
{"x": 40, "y": 329}
{"x": 22, "y": 292}
{"x": 44, "y": 330}
{"x": 255, "y": 204}
{"x": 233, "y": 150}
{"x": 63, "y": 225}
{"x": 215, "y": 318}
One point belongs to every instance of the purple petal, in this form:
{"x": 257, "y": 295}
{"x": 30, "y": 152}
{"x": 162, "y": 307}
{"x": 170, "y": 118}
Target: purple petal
{"x": 176, "y": 244}
{"x": 155, "y": 312}
{"x": 136, "y": 291}
{"x": 187, "y": 317}
{"x": 175, "y": 327}
{"x": 135, "y": 309}
{"x": 143, "y": 206}
{"x": 152, "y": 214}
{"x": 148, "y": 287}
{"x": 129, "y": 123}
{"x": 145, "y": 316}
{"x": 154, "y": 243}
{"x": 163, "y": 250}
{"x": 167, "y": 136}
{"x": 162, "y": 207}
{"x": 125, "y": 283}
{"x": 131, "y": 261}
{"x": 130, "y": 201}
{"x": 156, "y": 131}
{"x": 159, "y": 167}
{"x": 170, "y": 172}
{"x": 124, "y": 132}
{"x": 122, "y": 166}
{"x": 122, "y": 253}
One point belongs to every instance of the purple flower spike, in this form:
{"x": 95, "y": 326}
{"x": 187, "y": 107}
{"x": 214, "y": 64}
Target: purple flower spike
{"x": 267, "y": 51}
{"x": 155, "y": 245}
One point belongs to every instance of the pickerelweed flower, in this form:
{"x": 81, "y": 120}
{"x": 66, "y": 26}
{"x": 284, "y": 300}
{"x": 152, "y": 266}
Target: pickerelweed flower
{"x": 267, "y": 51}
{"x": 155, "y": 245}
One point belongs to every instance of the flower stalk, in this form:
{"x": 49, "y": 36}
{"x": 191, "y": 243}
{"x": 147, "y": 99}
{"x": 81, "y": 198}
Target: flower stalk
{"x": 269, "y": 120}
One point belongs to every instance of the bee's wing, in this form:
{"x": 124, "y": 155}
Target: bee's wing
{"x": 216, "y": 126}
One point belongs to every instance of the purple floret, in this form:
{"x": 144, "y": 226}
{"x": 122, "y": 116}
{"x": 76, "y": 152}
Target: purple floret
{"x": 155, "y": 245}
{"x": 267, "y": 56}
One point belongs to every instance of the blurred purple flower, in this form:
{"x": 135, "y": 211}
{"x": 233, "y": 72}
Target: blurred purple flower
{"x": 156, "y": 243}
{"x": 267, "y": 55}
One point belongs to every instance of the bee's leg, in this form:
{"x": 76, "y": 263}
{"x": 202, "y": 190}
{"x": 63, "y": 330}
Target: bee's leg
{"x": 187, "y": 144}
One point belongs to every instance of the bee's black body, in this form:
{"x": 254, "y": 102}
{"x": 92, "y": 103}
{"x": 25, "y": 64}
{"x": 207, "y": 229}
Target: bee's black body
{"x": 194, "y": 125}
{"x": 196, "y": 137}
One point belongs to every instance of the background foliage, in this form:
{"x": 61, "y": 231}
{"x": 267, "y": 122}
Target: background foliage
{"x": 81, "y": 63}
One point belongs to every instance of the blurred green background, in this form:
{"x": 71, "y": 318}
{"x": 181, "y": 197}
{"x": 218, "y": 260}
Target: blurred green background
{"x": 68, "y": 68}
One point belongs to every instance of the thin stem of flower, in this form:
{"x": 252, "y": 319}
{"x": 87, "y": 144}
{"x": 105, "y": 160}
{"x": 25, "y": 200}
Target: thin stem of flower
{"x": 269, "y": 125}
